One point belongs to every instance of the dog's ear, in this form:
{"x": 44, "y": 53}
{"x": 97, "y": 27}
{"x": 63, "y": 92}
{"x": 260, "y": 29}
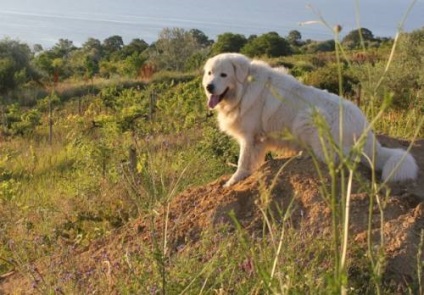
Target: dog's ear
{"x": 241, "y": 67}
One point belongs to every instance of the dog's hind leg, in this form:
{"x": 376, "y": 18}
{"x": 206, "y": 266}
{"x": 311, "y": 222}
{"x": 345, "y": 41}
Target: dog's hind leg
{"x": 307, "y": 131}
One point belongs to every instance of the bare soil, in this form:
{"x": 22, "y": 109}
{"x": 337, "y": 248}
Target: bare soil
{"x": 195, "y": 210}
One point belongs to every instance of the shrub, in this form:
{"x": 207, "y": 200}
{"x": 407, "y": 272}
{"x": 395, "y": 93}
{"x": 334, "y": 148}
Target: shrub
{"x": 406, "y": 77}
{"x": 27, "y": 123}
{"x": 327, "y": 78}
{"x": 354, "y": 38}
{"x": 270, "y": 45}
{"x": 301, "y": 68}
{"x": 228, "y": 42}
{"x": 219, "y": 145}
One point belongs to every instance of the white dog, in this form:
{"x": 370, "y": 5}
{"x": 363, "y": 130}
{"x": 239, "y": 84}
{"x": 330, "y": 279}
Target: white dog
{"x": 256, "y": 102}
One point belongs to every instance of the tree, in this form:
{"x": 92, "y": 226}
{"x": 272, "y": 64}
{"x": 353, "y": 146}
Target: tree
{"x": 53, "y": 67}
{"x": 90, "y": 54}
{"x": 91, "y": 67}
{"x": 228, "y": 42}
{"x": 133, "y": 64}
{"x": 7, "y": 72}
{"x": 136, "y": 46}
{"x": 15, "y": 69}
{"x": 269, "y": 44}
{"x": 15, "y": 65}
{"x": 173, "y": 48}
{"x": 113, "y": 44}
{"x": 37, "y": 48}
{"x": 353, "y": 38}
{"x": 133, "y": 56}
{"x": 92, "y": 43}
{"x": 63, "y": 48}
{"x": 294, "y": 38}
{"x": 93, "y": 46}
{"x": 55, "y": 62}
{"x": 201, "y": 38}
{"x": 44, "y": 62}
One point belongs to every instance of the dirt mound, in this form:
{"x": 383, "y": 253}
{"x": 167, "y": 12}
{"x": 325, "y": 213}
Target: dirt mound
{"x": 196, "y": 210}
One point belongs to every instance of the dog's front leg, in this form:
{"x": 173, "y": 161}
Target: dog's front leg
{"x": 252, "y": 154}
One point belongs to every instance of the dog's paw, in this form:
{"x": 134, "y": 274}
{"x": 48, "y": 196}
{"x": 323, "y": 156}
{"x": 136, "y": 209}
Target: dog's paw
{"x": 236, "y": 178}
{"x": 229, "y": 183}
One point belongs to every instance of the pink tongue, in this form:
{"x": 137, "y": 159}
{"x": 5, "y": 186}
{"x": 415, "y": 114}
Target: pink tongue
{"x": 213, "y": 101}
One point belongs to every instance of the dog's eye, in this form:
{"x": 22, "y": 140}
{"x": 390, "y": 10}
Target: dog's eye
{"x": 209, "y": 73}
{"x": 223, "y": 75}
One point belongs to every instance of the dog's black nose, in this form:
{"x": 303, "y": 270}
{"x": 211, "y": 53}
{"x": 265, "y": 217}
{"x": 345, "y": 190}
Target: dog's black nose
{"x": 210, "y": 88}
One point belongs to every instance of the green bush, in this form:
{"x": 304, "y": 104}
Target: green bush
{"x": 406, "y": 76}
{"x": 218, "y": 145}
{"x": 301, "y": 69}
{"x": 27, "y": 123}
{"x": 327, "y": 78}
{"x": 228, "y": 42}
{"x": 270, "y": 45}
{"x": 21, "y": 122}
{"x": 403, "y": 79}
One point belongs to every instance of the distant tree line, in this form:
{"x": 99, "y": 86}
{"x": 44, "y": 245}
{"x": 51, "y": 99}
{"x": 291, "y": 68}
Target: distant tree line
{"x": 175, "y": 49}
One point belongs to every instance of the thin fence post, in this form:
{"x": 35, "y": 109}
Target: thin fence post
{"x": 152, "y": 104}
{"x": 132, "y": 155}
{"x": 79, "y": 106}
{"x": 3, "y": 118}
{"x": 50, "y": 121}
{"x": 55, "y": 81}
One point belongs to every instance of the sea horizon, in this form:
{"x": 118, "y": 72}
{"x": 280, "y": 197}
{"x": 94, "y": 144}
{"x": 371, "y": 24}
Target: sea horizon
{"x": 44, "y": 22}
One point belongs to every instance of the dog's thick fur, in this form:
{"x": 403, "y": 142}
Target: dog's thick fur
{"x": 255, "y": 102}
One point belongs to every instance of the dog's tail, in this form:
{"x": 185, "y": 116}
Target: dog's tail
{"x": 395, "y": 164}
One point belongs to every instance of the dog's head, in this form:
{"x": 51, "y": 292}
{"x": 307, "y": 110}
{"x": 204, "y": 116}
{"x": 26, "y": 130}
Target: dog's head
{"x": 224, "y": 76}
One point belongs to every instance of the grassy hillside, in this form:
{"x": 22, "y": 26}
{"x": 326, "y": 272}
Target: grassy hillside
{"x": 83, "y": 160}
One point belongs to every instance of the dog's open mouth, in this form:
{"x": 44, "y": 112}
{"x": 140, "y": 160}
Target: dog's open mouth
{"x": 216, "y": 99}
